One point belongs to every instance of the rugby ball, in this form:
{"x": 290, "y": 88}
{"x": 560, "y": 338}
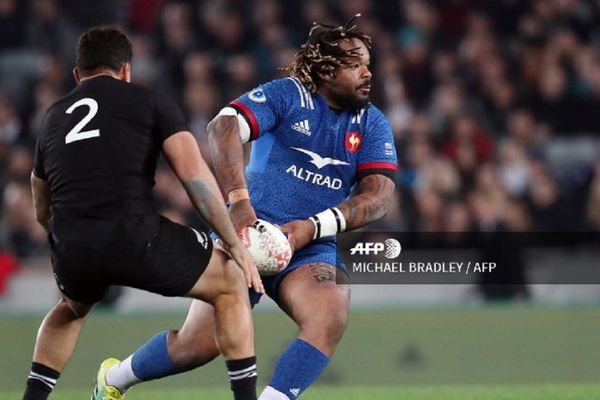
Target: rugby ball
{"x": 268, "y": 246}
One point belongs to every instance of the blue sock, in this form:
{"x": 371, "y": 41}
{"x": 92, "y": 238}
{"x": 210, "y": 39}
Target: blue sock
{"x": 152, "y": 361}
{"x": 298, "y": 367}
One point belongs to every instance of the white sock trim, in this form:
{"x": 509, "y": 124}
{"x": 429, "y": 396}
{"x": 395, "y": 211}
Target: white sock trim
{"x": 271, "y": 394}
{"x": 121, "y": 375}
{"x": 243, "y": 376}
{"x": 44, "y": 379}
{"x": 241, "y": 371}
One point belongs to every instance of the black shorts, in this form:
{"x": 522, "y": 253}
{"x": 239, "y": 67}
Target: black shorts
{"x": 145, "y": 252}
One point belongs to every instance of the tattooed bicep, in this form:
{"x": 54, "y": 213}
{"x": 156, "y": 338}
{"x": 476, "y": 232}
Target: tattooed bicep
{"x": 376, "y": 184}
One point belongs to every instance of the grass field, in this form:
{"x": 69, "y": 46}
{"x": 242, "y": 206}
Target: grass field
{"x": 496, "y": 353}
{"x": 518, "y": 392}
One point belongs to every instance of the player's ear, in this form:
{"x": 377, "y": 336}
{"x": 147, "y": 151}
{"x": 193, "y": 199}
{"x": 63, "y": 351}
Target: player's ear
{"x": 125, "y": 72}
{"x": 76, "y": 75}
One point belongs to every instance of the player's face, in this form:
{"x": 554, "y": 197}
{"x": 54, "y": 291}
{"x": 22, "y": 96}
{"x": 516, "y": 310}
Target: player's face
{"x": 351, "y": 86}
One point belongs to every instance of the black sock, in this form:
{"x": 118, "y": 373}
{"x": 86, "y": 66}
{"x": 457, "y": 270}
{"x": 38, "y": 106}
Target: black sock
{"x": 242, "y": 375}
{"x": 40, "y": 382}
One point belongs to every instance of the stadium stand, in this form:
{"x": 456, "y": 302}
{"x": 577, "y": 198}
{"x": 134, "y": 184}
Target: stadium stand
{"x": 494, "y": 104}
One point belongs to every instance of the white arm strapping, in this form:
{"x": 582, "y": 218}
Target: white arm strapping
{"x": 328, "y": 223}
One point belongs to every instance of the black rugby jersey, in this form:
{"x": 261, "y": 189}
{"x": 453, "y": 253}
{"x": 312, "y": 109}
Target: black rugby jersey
{"x": 98, "y": 147}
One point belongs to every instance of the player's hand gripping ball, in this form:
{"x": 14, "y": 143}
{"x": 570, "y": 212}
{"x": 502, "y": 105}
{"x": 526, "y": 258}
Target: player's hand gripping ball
{"x": 268, "y": 246}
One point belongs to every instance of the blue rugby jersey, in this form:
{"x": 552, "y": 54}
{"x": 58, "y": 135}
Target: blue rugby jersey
{"x": 307, "y": 157}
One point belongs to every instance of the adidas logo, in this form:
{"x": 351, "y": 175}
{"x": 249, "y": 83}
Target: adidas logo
{"x": 302, "y": 127}
{"x": 295, "y": 391}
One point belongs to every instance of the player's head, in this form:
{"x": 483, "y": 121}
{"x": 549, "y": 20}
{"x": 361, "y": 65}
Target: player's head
{"x": 103, "y": 49}
{"x": 335, "y": 60}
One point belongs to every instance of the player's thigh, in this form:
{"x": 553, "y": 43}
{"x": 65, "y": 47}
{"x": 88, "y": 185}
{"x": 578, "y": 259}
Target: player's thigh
{"x": 169, "y": 262}
{"x": 310, "y": 295}
{"x": 79, "y": 279}
{"x": 222, "y": 276}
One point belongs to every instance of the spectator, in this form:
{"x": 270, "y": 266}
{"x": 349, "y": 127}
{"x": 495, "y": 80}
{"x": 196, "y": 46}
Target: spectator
{"x": 11, "y": 27}
{"x": 10, "y": 124}
{"x": 476, "y": 95}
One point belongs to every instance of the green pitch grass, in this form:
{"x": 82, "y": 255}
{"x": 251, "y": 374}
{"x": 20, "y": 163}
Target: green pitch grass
{"x": 483, "y": 353}
{"x": 518, "y": 392}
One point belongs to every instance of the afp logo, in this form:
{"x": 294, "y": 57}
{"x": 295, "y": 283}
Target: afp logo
{"x": 391, "y": 248}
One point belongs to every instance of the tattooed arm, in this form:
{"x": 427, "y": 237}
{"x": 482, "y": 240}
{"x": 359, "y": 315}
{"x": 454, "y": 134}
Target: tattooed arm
{"x": 228, "y": 160}
{"x": 182, "y": 152}
{"x": 368, "y": 204}
{"x": 228, "y": 153}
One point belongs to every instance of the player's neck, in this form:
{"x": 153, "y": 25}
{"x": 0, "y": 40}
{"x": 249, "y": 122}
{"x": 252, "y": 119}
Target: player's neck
{"x": 331, "y": 103}
{"x": 103, "y": 73}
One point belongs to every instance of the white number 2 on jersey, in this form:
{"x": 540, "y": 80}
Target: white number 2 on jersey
{"x": 76, "y": 133}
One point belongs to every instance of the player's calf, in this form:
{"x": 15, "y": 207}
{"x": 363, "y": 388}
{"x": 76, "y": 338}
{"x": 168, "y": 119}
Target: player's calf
{"x": 319, "y": 305}
{"x": 62, "y": 324}
{"x": 223, "y": 286}
{"x": 167, "y": 353}
{"x": 194, "y": 344}
{"x": 325, "y": 327}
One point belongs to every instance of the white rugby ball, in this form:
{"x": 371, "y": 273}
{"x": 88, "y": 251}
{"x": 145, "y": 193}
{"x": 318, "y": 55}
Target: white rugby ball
{"x": 268, "y": 245}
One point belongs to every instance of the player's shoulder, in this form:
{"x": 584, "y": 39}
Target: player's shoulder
{"x": 285, "y": 83}
{"x": 61, "y": 104}
{"x": 149, "y": 93}
{"x": 374, "y": 116}
{"x": 374, "y": 112}
{"x": 287, "y": 90}
{"x": 141, "y": 97}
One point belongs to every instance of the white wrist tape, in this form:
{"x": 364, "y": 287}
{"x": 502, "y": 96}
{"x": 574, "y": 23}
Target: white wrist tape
{"x": 243, "y": 126}
{"x": 328, "y": 223}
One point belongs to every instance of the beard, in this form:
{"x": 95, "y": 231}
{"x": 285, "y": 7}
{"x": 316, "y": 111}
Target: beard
{"x": 350, "y": 99}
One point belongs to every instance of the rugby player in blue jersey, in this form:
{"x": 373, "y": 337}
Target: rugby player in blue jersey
{"x": 322, "y": 162}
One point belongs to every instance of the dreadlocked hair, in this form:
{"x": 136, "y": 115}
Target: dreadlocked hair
{"x": 321, "y": 55}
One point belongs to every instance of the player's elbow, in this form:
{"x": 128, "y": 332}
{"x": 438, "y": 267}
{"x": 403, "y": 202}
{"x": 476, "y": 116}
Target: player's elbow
{"x": 221, "y": 127}
{"x": 210, "y": 128}
{"x": 380, "y": 208}
{"x": 41, "y": 217}
{"x": 382, "y": 200}
{"x": 42, "y": 212}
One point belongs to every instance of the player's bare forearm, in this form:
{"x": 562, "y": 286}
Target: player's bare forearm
{"x": 183, "y": 154}
{"x": 370, "y": 203}
{"x": 40, "y": 190}
{"x": 206, "y": 199}
{"x": 227, "y": 153}
{"x": 204, "y": 194}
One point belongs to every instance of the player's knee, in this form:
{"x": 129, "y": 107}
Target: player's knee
{"x": 336, "y": 325}
{"x": 329, "y": 327}
{"x": 231, "y": 290}
{"x": 221, "y": 278}
{"x": 73, "y": 309}
{"x": 234, "y": 283}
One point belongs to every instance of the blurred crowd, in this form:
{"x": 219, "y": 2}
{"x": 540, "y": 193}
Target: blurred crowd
{"x": 495, "y": 105}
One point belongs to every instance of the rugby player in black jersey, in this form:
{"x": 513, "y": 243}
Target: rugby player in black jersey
{"x": 92, "y": 182}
